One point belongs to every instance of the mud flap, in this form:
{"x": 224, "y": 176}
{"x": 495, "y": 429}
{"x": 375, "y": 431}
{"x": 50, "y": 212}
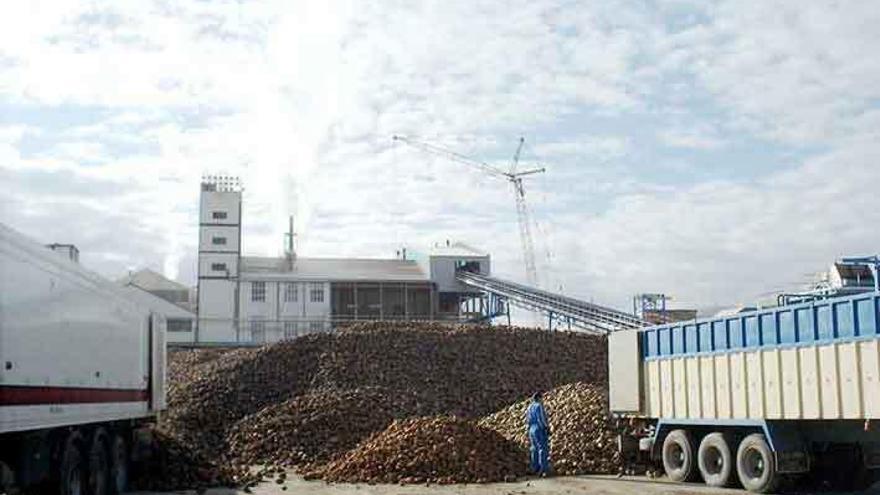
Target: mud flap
{"x": 788, "y": 446}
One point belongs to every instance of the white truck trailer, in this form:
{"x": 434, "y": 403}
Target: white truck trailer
{"x": 760, "y": 396}
{"x": 82, "y": 368}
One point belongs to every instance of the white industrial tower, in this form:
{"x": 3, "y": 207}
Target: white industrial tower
{"x": 219, "y": 257}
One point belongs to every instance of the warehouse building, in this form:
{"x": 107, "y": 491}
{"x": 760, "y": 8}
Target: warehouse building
{"x": 161, "y": 286}
{"x": 247, "y": 299}
{"x": 164, "y": 296}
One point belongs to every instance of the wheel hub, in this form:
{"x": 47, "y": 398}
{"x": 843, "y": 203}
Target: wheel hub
{"x": 754, "y": 463}
{"x": 677, "y": 456}
{"x": 714, "y": 461}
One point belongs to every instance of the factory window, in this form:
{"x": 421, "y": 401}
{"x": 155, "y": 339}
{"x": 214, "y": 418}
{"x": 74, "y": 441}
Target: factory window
{"x": 218, "y": 215}
{"x": 179, "y": 325}
{"x": 468, "y": 266}
{"x": 258, "y": 331}
{"x": 289, "y": 330}
{"x": 258, "y": 291}
{"x": 316, "y": 294}
{"x": 290, "y": 292}
{"x": 218, "y": 241}
{"x": 218, "y": 267}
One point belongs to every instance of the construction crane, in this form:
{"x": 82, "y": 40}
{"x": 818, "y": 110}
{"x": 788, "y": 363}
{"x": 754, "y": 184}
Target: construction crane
{"x": 512, "y": 176}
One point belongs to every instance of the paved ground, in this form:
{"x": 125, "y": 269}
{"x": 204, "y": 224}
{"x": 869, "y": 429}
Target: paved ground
{"x": 569, "y": 485}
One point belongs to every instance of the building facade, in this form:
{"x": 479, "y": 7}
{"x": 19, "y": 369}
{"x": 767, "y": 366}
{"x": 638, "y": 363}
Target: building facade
{"x": 248, "y": 299}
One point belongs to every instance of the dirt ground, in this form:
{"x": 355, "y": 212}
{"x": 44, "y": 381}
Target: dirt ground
{"x": 573, "y": 485}
{"x": 568, "y": 485}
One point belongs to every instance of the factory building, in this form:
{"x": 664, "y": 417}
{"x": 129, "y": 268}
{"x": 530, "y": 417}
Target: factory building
{"x": 248, "y": 299}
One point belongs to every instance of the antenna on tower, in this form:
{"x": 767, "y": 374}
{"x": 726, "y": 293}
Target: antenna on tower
{"x": 290, "y": 250}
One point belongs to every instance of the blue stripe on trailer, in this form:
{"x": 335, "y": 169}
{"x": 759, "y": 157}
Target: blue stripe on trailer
{"x": 843, "y": 319}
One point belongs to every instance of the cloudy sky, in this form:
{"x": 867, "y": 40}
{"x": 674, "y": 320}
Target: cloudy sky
{"x": 712, "y": 150}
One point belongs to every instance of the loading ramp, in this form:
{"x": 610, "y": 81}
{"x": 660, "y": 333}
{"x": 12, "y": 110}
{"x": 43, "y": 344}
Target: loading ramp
{"x": 559, "y": 309}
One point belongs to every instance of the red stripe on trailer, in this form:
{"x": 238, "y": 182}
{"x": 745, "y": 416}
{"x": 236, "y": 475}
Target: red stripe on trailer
{"x": 16, "y": 395}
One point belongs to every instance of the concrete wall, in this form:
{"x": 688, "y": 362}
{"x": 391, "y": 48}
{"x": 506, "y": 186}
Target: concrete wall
{"x": 216, "y": 310}
{"x": 208, "y": 233}
{"x": 207, "y": 262}
{"x": 220, "y": 202}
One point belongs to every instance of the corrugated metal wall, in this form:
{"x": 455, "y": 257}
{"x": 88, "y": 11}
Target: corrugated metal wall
{"x": 830, "y": 381}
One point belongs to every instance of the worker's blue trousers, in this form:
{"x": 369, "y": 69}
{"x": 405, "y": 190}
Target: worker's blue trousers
{"x": 539, "y": 449}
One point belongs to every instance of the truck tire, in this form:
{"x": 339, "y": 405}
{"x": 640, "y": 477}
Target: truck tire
{"x": 715, "y": 460}
{"x": 71, "y": 472}
{"x": 679, "y": 460}
{"x": 756, "y": 464}
{"x": 99, "y": 464}
{"x": 118, "y": 465}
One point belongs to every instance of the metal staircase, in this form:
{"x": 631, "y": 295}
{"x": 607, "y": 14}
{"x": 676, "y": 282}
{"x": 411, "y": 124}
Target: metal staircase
{"x": 560, "y": 309}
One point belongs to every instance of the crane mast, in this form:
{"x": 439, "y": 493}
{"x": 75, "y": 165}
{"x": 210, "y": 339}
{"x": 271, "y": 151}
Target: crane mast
{"x": 525, "y": 233}
{"x": 514, "y": 177}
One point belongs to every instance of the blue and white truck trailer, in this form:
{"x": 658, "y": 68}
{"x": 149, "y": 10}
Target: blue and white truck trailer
{"x": 758, "y": 397}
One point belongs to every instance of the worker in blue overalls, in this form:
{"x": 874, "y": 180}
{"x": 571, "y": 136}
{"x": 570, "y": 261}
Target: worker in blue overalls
{"x": 539, "y": 435}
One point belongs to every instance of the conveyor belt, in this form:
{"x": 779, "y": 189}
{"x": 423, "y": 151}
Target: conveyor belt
{"x": 587, "y": 316}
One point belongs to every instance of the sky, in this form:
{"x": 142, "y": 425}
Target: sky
{"x": 716, "y": 151}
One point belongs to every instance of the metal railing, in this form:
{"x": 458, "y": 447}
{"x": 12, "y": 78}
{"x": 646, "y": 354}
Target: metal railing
{"x": 222, "y": 332}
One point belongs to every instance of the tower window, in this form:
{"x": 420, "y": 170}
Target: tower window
{"x": 218, "y": 215}
{"x": 218, "y": 267}
{"x": 258, "y": 291}
{"x": 218, "y": 241}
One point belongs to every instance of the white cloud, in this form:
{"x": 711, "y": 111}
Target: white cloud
{"x": 790, "y": 70}
{"x": 301, "y": 98}
{"x": 702, "y": 137}
{"x": 602, "y": 147}
{"x": 726, "y": 242}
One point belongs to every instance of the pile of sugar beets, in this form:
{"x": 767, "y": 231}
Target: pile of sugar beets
{"x": 382, "y": 402}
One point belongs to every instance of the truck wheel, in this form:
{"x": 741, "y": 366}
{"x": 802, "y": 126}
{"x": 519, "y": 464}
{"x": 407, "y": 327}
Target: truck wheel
{"x": 756, "y": 465}
{"x": 678, "y": 456}
{"x": 71, "y": 475}
{"x": 99, "y": 465}
{"x": 118, "y": 465}
{"x": 715, "y": 460}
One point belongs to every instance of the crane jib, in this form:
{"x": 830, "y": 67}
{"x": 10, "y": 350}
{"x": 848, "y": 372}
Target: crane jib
{"x": 523, "y": 219}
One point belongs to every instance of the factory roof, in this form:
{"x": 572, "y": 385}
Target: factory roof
{"x": 157, "y": 304}
{"x": 457, "y": 249}
{"x": 149, "y": 280}
{"x": 333, "y": 269}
